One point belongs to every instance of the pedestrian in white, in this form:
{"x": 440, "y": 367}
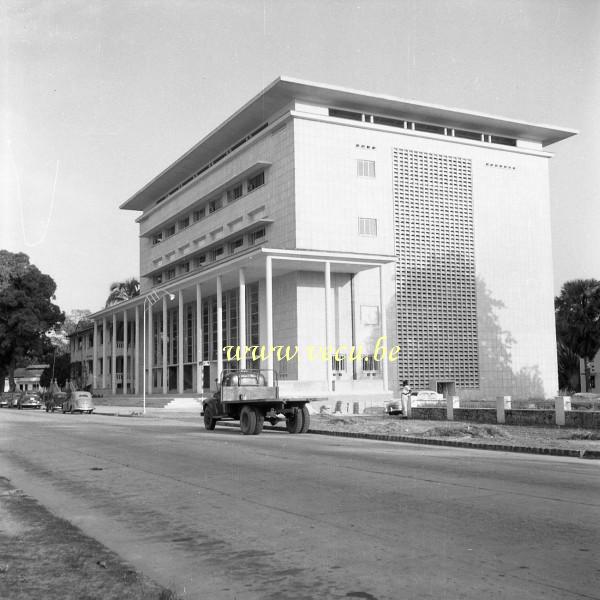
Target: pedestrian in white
{"x": 404, "y": 396}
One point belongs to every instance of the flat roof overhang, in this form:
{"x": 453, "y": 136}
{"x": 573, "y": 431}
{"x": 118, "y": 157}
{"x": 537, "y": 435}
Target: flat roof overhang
{"x": 284, "y": 90}
{"x": 254, "y": 264}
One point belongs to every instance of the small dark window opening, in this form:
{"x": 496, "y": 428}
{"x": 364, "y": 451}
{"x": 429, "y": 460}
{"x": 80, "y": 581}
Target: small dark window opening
{"x": 345, "y": 114}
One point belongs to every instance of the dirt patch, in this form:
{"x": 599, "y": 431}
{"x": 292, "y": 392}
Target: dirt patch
{"x": 509, "y": 435}
{"x": 42, "y": 556}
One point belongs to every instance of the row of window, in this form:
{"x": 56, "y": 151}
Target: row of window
{"x": 214, "y": 254}
{"x": 425, "y": 127}
{"x": 209, "y": 207}
{"x": 213, "y": 162}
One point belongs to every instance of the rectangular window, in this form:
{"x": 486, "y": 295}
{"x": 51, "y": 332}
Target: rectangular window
{"x": 183, "y": 223}
{"x": 256, "y": 181}
{"x": 234, "y": 193}
{"x": 369, "y": 363}
{"x": 199, "y": 214}
{"x": 200, "y": 260}
{"x": 184, "y": 267}
{"x": 367, "y": 226}
{"x": 214, "y": 205}
{"x": 236, "y": 245}
{"x": 388, "y": 121}
{"x": 217, "y": 252}
{"x": 365, "y": 168}
{"x": 338, "y": 364}
{"x": 170, "y": 274}
{"x": 345, "y": 114}
{"x": 467, "y": 135}
{"x": 157, "y": 279}
{"x": 496, "y": 139}
{"x": 170, "y": 231}
{"x": 157, "y": 238}
{"x": 429, "y": 128}
{"x": 255, "y": 237}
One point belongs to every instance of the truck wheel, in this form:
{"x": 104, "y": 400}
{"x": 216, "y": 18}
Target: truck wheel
{"x": 260, "y": 421}
{"x": 209, "y": 419}
{"x": 293, "y": 423}
{"x": 248, "y": 420}
{"x": 305, "y": 419}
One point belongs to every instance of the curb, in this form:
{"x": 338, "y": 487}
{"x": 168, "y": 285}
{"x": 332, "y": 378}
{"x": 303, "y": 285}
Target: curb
{"x": 588, "y": 454}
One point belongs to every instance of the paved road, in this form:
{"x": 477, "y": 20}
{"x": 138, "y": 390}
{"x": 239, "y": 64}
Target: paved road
{"x": 220, "y": 515}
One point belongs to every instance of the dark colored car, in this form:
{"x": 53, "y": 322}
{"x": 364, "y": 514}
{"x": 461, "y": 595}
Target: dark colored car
{"x": 29, "y": 400}
{"x": 54, "y": 400}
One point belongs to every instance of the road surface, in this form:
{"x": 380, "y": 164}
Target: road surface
{"x": 217, "y": 515}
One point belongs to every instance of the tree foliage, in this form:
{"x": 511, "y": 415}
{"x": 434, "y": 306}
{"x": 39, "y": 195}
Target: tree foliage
{"x": 123, "y": 290}
{"x": 577, "y": 311}
{"x": 27, "y": 312}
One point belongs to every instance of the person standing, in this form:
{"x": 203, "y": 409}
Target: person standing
{"x": 404, "y": 397}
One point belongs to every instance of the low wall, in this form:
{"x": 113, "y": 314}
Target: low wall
{"x": 542, "y": 418}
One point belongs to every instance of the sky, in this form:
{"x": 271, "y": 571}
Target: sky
{"x": 97, "y": 97}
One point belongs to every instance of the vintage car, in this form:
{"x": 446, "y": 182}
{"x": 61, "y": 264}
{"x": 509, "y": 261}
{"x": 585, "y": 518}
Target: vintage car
{"x": 417, "y": 399}
{"x": 54, "y": 400}
{"x": 78, "y": 401}
{"x": 29, "y": 400}
{"x": 11, "y": 399}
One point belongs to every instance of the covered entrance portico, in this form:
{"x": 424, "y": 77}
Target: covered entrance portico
{"x": 262, "y": 298}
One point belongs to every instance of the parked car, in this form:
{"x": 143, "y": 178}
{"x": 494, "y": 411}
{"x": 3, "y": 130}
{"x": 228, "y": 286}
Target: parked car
{"x": 420, "y": 398}
{"x": 10, "y": 399}
{"x": 54, "y": 400}
{"x": 78, "y": 402}
{"x": 426, "y": 398}
{"x": 29, "y": 399}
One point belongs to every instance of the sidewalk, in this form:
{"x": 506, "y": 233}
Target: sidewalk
{"x": 555, "y": 441}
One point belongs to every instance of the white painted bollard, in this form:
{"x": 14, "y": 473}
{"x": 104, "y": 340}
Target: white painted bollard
{"x": 561, "y": 404}
{"x": 409, "y": 407}
{"x": 452, "y": 402}
{"x": 503, "y": 403}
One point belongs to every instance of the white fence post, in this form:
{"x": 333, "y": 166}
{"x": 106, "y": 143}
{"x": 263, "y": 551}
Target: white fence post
{"x": 502, "y": 403}
{"x": 561, "y": 404}
{"x": 452, "y": 402}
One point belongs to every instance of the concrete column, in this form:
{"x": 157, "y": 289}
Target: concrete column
{"x": 125, "y": 353}
{"x": 409, "y": 407}
{"x": 503, "y": 403}
{"x": 384, "y": 359}
{"x": 269, "y": 302}
{"x": 328, "y": 322}
{"x": 219, "y": 326}
{"x": 180, "y": 336}
{"x": 104, "y": 352}
{"x": 452, "y": 403}
{"x": 242, "y": 318}
{"x": 165, "y": 347}
{"x": 95, "y": 355}
{"x": 136, "y": 375}
{"x": 150, "y": 350}
{"x": 113, "y": 358}
{"x": 199, "y": 339}
{"x": 561, "y": 405}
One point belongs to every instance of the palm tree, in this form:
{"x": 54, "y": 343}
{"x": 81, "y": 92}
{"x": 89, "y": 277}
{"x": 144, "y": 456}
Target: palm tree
{"x": 577, "y": 311}
{"x": 123, "y": 290}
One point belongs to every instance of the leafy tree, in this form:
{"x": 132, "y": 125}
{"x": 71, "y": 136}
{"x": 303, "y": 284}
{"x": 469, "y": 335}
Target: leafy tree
{"x": 62, "y": 369}
{"x": 26, "y": 312}
{"x": 123, "y": 290}
{"x": 577, "y": 312}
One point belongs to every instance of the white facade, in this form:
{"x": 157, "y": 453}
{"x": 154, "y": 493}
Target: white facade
{"x": 333, "y": 218}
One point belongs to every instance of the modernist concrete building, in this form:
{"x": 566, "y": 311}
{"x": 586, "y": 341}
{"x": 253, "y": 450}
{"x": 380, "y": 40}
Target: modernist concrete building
{"x": 321, "y": 216}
